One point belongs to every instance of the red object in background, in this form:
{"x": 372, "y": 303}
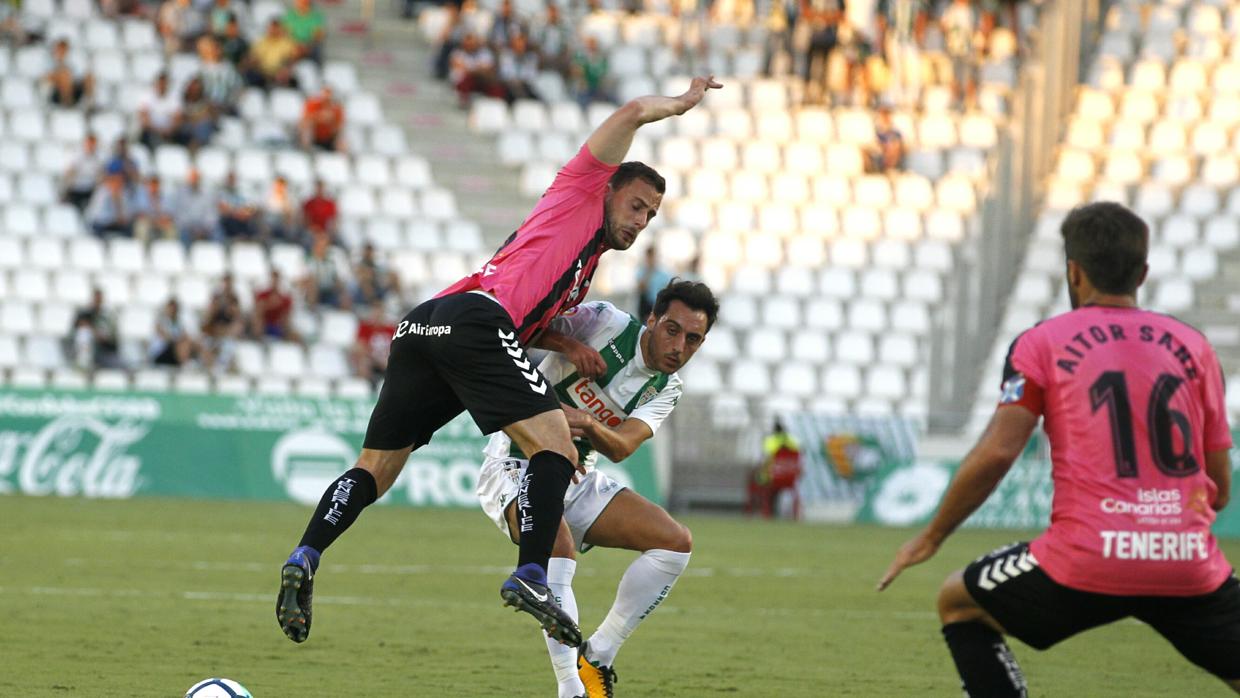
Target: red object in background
{"x": 768, "y": 480}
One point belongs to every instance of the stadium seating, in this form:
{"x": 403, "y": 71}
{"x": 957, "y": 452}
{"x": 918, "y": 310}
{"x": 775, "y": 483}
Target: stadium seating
{"x": 49, "y": 261}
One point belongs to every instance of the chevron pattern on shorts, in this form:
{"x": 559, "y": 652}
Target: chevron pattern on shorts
{"x": 1005, "y": 568}
{"x": 509, "y": 341}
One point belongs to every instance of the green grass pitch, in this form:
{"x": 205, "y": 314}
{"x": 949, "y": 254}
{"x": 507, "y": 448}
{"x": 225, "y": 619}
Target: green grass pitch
{"x": 145, "y": 597}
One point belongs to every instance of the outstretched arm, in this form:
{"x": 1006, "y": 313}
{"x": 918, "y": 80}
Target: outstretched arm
{"x": 611, "y": 140}
{"x": 979, "y": 474}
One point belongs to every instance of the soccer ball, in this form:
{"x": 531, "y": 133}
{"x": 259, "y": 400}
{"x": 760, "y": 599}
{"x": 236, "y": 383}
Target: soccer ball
{"x": 217, "y": 688}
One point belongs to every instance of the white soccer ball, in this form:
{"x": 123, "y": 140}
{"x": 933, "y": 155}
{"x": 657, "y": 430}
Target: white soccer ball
{"x": 217, "y": 688}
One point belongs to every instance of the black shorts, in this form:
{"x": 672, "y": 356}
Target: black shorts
{"x": 1037, "y": 610}
{"x": 450, "y": 354}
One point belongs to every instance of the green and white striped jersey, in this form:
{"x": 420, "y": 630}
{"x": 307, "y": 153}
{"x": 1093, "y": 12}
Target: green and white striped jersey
{"x": 629, "y": 390}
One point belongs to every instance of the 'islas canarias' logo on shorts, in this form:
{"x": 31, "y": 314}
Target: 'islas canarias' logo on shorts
{"x": 592, "y": 399}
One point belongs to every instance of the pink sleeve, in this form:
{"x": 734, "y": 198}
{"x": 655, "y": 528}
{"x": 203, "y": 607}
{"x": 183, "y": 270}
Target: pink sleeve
{"x": 1218, "y": 435}
{"x": 1023, "y": 379}
{"x": 584, "y": 172}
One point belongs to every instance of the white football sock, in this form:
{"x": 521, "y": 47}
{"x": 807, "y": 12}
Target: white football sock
{"x": 560, "y": 572}
{"x": 642, "y": 588}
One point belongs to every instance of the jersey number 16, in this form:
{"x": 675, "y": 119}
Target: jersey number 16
{"x": 1111, "y": 391}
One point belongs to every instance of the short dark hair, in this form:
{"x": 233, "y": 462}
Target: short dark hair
{"x": 1110, "y": 243}
{"x": 629, "y": 171}
{"x": 694, "y": 294}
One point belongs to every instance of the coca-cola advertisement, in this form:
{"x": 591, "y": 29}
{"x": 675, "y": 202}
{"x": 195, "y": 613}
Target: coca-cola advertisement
{"x": 103, "y": 445}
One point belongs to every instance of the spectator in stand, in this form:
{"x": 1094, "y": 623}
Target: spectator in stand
{"x": 651, "y": 278}
{"x": 902, "y": 35}
{"x": 888, "y": 155}
{"x": 83, "y": 173}
{"x": 591, "y": 81}
{"x": 384, "y": 279}
{"x": 154, "y": 212}
{"x": 518, "y": 69}
{"x": 990, "y": 16}
{"x": 222, "y": 326}
{"x": 823, "y": 18}
{"x": 959, "y": 26}
{"x": 553, "y": 40}
{"x": 473, "y": 70}
{"x": 172, "y": 345}
{"x": 195, "y": 211}
{"x": 322, "y": 122}
{"x": 220, "y": 80}
{"x": 504, "y": 28}
{"x": 110, "y": 211}
{"x": 69, "y": 84}
{"x": 307, "y": 27}
{"x": 219, "y": 15}
{"x": 121, "y": 8}
{"x": 319, "y": 211}
{"x": 272, "y": 317}
{"x": 198, "y": 116}
{"x": 369, "y": 354}
{"x": 11, "y": 28}
{"x": 364, "y": 288}
{"x": 93, "y": 339}
{"x": 122, "y": 163}
{"x": 280, "y": 220}
{"x": 272, "y": 58}
{"x": 324, "y": 282}
{"x": 463, "y": 18}
{"x": 159, "y": 114}
{"x": 237, "y": 214}
{"x": 859, "y": 24}
{"x": 180, "y": 22}
{"x": 235, "y": 48}
{"x": 691, "y": 19}
{"x": 780, "y": 23}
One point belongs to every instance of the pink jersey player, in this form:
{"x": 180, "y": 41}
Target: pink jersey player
{"x": 1131, "y": 512}
{"x": 1132, "y": 404}
{"x": 546, "y": 266}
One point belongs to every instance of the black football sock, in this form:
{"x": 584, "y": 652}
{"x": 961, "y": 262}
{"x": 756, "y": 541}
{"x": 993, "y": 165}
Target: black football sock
{"x": 339, "y": 508}
{"x": 985, "y": 663}
{"x": 540, "y": 505}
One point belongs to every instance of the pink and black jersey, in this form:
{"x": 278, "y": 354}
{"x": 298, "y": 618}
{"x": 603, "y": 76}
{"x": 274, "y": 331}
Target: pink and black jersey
{"x": 1132, "y": 401}
{"x": 546, "y": 266}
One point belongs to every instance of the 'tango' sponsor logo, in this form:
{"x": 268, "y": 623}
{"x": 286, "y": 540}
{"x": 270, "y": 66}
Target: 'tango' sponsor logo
{"x": 306, "y": 461}
{"x": 593, "y": 402}
{"x": 70, "y": 456}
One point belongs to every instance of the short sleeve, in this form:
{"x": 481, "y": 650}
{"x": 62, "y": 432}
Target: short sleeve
{"x": 1218, "y": 434}
{"x": 581, "y": 321}
{"x": 660, "y": 406}
{"x": 584, "y": 172}
{"x": 1023, "y": 378}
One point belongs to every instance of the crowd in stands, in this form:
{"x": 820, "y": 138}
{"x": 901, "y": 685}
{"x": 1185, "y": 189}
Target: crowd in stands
{"x": 881, "y": 42}
{"x": 119, "y": 199}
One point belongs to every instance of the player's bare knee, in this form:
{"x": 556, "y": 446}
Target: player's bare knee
{"x": 955, "y": 604}
{"x": 682, "y": 539}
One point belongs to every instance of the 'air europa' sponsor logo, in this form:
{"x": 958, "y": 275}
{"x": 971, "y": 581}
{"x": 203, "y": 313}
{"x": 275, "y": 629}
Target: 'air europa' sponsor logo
{"x": 592, "y": 402}
{"x": 417, "y": 328}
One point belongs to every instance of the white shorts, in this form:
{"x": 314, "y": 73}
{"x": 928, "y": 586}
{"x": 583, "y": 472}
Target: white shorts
{"x": 583, "y": 502}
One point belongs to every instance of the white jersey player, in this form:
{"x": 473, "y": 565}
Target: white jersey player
{"x": 616, "y": 378}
